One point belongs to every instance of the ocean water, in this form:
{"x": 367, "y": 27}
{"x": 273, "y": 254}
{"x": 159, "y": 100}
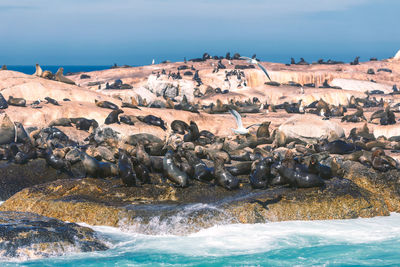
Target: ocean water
{"x": 357, "y": 242}
{"x": 30, "y": 69}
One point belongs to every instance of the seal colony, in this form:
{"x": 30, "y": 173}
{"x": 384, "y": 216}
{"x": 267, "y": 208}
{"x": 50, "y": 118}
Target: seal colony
{"x": 181, "y": 153}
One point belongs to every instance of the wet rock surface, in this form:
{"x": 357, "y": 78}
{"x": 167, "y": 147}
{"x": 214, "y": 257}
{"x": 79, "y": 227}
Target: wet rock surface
{"x": 184, "y": 210}
{"x": 26, "y": 235}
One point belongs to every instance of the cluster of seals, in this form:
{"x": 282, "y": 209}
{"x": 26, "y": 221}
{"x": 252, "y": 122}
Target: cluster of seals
{"x": 49, "y": 75}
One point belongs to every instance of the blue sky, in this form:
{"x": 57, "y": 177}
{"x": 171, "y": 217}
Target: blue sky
{"x": 96, "y": 32}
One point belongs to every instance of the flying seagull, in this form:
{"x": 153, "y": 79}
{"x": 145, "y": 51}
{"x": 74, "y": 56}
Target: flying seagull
{"x": 254, "y": 61}
{"x": 240, "y": 129}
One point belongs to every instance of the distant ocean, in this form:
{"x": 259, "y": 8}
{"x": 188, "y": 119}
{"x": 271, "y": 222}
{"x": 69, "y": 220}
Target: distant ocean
{"x": 30, "y": 69}
{"x": 355, "y": 242}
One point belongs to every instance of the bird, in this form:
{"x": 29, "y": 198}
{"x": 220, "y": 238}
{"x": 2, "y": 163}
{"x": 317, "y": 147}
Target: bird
{"x": 152, "y": 63}
{"x": 240, "y": 129}
{"x": 254, "y": 61}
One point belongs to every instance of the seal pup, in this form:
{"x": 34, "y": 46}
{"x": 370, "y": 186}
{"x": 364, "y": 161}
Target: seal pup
{"x": 51, "y": 101}
{"x": 223, "y": 177}
{"x": 17, "y": 101}
{"x": 113, "y": 117}
{"x": 125, "y": 169}
{"x": 61, "y": 78}
{"x": 127, "y": 119}
{"x": 172, "y": 172}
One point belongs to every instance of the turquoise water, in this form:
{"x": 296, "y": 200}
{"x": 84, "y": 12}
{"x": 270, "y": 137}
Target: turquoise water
{"x": 374, "y": 241}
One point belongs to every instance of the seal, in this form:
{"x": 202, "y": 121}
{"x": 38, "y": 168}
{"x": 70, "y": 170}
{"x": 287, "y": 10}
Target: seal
{"x": 298, "y": 178}
{"x": 7, "y": 130}
{"x": 152, "y": 120}
{"x": 179, "y": 127}
{"x": 193, "y": 133}
{"x": 113, "y": 117}
{"x": 66, "y": 122}
{"x": 51, "y": 101}
{"x": 125, "y": 169}
{"x": 201, "y": 170}
{"x": 97, "y": 169}
{"x": 263, "y": 130}
{"x": 317, "y": 168}
{"x": 127, "y": 119}
{"x": 3, "y": 102}
{"x": 261, "y": 173}
{"x": 142, "y": 172}
{"x": 142, "y": 155}
{"x": 240, "y": 168}
{"x": 336, "y": 147}
{"x": 172, "y": 172}
{"x": 39, "y": 71}
{"x": 19, "y": 102}
{"x": 223, "y": 177}
{"x": 379, "y": 162}
{"x": 61, "y": 78}
{"x": 84, "y": 124}
{"x": 57, "y": 163}
{"x": 106, "y": 104}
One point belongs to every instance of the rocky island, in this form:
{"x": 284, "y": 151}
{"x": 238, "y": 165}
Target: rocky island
{"x": 151, "y": 148}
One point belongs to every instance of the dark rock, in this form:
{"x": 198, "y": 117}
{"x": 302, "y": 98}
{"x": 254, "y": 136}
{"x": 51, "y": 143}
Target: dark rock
{"x": 28, "y": 235}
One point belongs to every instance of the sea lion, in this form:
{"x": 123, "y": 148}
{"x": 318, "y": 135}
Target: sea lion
{"x": 127, "y": 119}
{"x": 66, "y": 122}
{"x": 22, "y": 135}
{"x": 263, "y": 130}
{"x": 172, "y": 172}
{"x": 113, "y": 117}
{"x": 51, "y": 101}
{"x": 106, "y": 104}
{"x": 379, "y": 162}
{"x": 142, "y": 155}
{"x": 19, "y": 102}
{"x": 201, "y": 170}
{"x": 223, "y": 177}
{"x": 299, "y": 178}
{"x": 317, "y": 168}
{"x": 3, "y": 102}
{"x": 7, "y": 130}
{"x": 261, "y": 173}
{"x": 336, "y": 147}
{"x": 125, "y": 169}
{"x": 179, "y": 126}
{"x": 239, "y": 168}
{"x": 129, "y": 105}
{"x": 142, "y": 172}
{"x": 357, "y": 116}
{"x": 61, "y": 78}
{"x": 193, "y": 133}
{"x": 84, "y": 124}
{"x": 152, "y": 120}
{"x": 57, "y": 163}
{"x": 38, "y": 71}
{"x": 4, "y": 67}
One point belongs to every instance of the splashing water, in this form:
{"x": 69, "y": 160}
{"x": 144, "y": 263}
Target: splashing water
{"x": 374, "y": 241}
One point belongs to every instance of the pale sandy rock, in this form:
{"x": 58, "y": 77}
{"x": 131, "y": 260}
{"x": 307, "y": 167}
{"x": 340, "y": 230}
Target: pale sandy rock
{"x": 308, "y": 127}
{"x": 397, "y": 56}
{"x": 387, "y": 130}
{"x": 360, "y": 86}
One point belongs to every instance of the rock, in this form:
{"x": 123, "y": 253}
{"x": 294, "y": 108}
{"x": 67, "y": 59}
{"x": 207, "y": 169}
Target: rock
{"x": 309, "y": 128}
{"x": 360, "y": 86}
{"x": 30, "y": 236}
{"x": 386, "y": 130}
{"x": 383, "y": 184}
{"x": 185, "y": 210}
{"x": 15, "y": 177}
{"x": 397, "y": 56}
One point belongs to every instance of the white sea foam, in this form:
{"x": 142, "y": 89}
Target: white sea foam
{"x": 237, "y": 239}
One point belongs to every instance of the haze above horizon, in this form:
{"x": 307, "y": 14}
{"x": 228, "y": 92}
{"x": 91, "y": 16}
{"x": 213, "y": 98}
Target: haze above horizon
{"x": 88, "y": 32}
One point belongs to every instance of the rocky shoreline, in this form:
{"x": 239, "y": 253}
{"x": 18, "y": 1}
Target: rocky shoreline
{"x": 153, "y": 152}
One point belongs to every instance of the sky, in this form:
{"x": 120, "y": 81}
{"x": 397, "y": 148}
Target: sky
{"x": 133, "y": 32}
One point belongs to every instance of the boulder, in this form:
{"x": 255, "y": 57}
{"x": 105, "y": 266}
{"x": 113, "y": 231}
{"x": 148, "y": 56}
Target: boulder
{"x": 309, "y": 128}
{"x": 31, "y": 236}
